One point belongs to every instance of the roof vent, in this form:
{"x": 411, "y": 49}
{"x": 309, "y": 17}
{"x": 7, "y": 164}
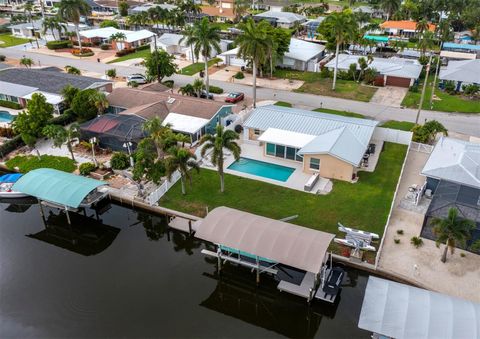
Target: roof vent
{"x": 170, "y": 100}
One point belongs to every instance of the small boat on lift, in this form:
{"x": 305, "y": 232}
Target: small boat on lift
{"x": 6, "y": 183}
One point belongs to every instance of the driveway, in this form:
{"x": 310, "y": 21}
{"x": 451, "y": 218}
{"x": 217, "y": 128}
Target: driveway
{"x": 389, "y": 96}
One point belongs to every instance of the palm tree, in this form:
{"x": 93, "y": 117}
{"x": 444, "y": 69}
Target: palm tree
{"x": 160, "y": 134}
{"x": 100, "y": 101}
{"x": 188, "y": 34}
{"x": 61, "y": 135}
{"x": 72, "y": 10}
{"x": 222, "y": 139}
{"x": 452, "y": 230}
{"x": 27, "y": 62}
{"x": 198, "y": 86}
{"x": 254, "y": 45}
{"x": 28, "y": 8}
{"x": 182, "y": 160}
{"x": 422, "y": 26}
{"x": 205, "y": 38}
{"x": 390, "y": 6}
{"x": 427, "y": 41}
{"x": 52, "y": 24}
{"x": 343, "y": 27}
{"x": 118, "y": 37}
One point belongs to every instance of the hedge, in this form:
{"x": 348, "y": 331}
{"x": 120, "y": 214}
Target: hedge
{"x": 141, "y": 48}
{"x": 86, "y": 168}
{"x": 59, "y": 44}
{"x": 105, "y": 47}
{"x": 63, "y": 119}
{"x": 125, "y": 52}
{"x": 215, "y": 90}
{"x": 10, "y": 104}
{"x": 11, "y": 145}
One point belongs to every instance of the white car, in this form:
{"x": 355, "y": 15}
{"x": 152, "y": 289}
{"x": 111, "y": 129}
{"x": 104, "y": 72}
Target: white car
{"x": 138, "y": 78}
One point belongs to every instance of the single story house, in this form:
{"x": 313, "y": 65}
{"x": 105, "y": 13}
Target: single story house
{"x": 328, "y": 144}
{"x": 188, "y": 115}
{"x": 280, "y": 19}
{"x": 146, "y": 6}
{"x": 33, "y": 29}
{"x": 450, "y": 55}
{"x": 404, "y": 28}
{"x": 463, "y": 72}
{"x": 221, "y": 10}
{"x": 373, "y": 12}
{"x": 19, "y": 84}
{"x": 462, "y": 48}
{"x": 132, "y": 38}
{"x": 391, "y": 72}
{"x": 109, "y": 6}
{"x": 270, "y": 5}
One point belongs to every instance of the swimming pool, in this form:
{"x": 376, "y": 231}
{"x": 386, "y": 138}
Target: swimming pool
{"x": 262, "y": 169}
{"x": 5, "y": 116}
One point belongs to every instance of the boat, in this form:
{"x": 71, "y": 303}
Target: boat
{"x": 6, "y": 183}
{"x": 361, "y": 245}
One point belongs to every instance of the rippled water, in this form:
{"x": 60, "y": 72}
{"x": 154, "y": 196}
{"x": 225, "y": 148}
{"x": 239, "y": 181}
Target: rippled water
{"x": 127, "y": 276}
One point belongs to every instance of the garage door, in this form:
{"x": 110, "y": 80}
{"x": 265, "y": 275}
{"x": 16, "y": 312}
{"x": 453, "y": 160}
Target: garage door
{"x": 397, "y": 81}
{"x": 234, "y": 61}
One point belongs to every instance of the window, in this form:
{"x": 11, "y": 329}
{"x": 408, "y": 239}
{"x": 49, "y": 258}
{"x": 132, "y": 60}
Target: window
{"x": 270, "y": 149}
{"x": 315, "y": 164}
{"x": 290, "y": 153}
{"x": 256, "y": 131}
{"x": 280, "y": 151}
{"x": 297, "y": 156}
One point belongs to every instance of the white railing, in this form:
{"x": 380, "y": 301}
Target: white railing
{"x": 153, "y": 197}
{"x": 418, "y": 147}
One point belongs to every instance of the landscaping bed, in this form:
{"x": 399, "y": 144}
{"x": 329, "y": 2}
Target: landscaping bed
{"x": 364, "y": 205}
{"x": 30, "y": 162}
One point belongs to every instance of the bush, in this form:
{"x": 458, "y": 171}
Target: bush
{"x": 83, "y": 105}
{"x": 325, "y": 73}
{"x": 119, "y": 161}
{"x": 84, "y": 52}
{"x": 414, "y": 88}
{"x": 125, "y": 52}
{"x": 111, "y": 73}
{"x": 169, "y": 83}
{"x": 2, "y": 57}
{"x": 413, "y": 40}
{"x": 400, "y": 232}
{"x": 471, "y": 89}
{"x": 132, "y": 84}
{"x": 67, "y": 117}
{"x": 59, "y": 44}
{"x": 215, "y": 90}
{"x": 416, "y": 242}
{"x": 449, "y": 87}
{"x": 143, "y": 47}
{"x": 239, "y": 75}
{"x": 10, "y": 104}
{"x": 397, "y": 241}
{"x": 86, "y": 168}
{"x": 28, "y": 163}
{"x": 11, "y": 145}
{"x": 105, "y": 47}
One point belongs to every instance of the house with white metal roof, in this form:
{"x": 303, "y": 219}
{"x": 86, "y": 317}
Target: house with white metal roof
{"x": 103, "y": 35}
{"x": 328, "y": 144}
{"x": 280, "y": 19}
{"x": 464, "y": 72}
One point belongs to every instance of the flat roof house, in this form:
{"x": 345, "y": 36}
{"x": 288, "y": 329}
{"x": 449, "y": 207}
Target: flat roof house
{"x": 19, "y": 84}
{"x": 464, "y": 72}
{"x": 132, "y": 38}
{"x": 328, "y": 144}
{"x": 405, "y": 28}
{"x": 392, "y": 72}
{"x": 34, "y": 29}
{"x": 280, "y": 19}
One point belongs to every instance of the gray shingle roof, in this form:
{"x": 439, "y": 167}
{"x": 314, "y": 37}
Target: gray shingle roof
{"x": 48, "y": 79}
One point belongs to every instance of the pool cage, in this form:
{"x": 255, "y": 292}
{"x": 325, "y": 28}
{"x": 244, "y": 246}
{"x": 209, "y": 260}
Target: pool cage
{"x": 448, "y": 195}
{"x": 113, "y": 130}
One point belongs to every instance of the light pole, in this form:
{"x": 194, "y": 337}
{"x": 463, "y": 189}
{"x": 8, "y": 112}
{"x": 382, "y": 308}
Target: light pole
{"x": 93, "y": 141}
{"x": 127, "y": 145}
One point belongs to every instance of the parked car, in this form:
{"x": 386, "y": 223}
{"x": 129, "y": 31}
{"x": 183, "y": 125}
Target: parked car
{"x": 203, "y": 95}
{"x": 138, "y": 78}
{"x": 235, "y": 97}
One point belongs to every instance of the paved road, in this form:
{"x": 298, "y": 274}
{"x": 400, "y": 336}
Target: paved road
{"x": 456, "y": 122}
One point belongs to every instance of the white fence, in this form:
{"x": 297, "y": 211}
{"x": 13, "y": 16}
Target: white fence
{"x": 153, "y": 197}
{"x": 392, "y": 135}
{"x": 424, "y": 148}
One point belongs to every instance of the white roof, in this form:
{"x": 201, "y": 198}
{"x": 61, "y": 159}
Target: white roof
{"x": 401, "y": 311}
{"x": 146, "y": 7}
{"x": 53, "y": 99}
{"x": 184, "y": 123}
{"x": 230, "y": 52}
{"x": 292, "y": 245}
{"x": 15, "y": 90}
{"x": 282, "y": 17}
{"x": 465, "y": 70}
{"x": 107, "y": 32}
{"x": 454, "y": 160}
{"x": 403, "y": 68}
{"x": 303, "y": 50}
{"x": 171, "y": 39}
{"x": 343, "y": 137}
{"x": 286, "y": 138}
{"x": 458, "y": 55}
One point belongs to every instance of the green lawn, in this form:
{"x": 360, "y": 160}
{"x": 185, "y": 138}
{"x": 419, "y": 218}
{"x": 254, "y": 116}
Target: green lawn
{"x": 27, "y": 163}
{"x": 363, "y": 205}
{"x": 446, "y": 102}
{"x": 401, "y": 125}
{"x": 344, "y": 113}
{"x": 283, "y": 104}
{"x": 139, "y": 54}
{"x": 315, "y": 84}
{"x": 7, "y": 40}
{"x": 198, "y": 66}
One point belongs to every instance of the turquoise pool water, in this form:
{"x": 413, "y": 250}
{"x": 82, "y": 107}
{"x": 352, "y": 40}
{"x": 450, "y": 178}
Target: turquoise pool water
{"x": 262, "y": 169}
{"x": 5, "y": 116}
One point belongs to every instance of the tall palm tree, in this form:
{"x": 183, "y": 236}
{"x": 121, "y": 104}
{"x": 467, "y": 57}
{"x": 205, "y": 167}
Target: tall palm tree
{"x": 188, "y": 34}
{"x": 343, "y": 27}
{"x": 100, "y": 101}
{"x": 422, "y": 26}
{"x": 253, "y": 45}
{"x": 205, "y": 39}
{"x": 159, "y": 133}
{"x": 390, "y": 6}
{"x": 182, "y": 160}
{"x": 28, "y": 9}
{"x": 53, "y": 25}
{"x": 223, "y": 139}
{"x": 452, "y": 230}
{"x": 72, "y": 10}
{"x": 118, "y": 37}
{"x": 426, "y": 42}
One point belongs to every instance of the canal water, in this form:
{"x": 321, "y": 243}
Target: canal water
{"x": 126, "y": 275}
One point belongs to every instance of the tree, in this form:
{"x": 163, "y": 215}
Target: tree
{"x": 427, "y": 132}
{"x": 68, "y": 94}
{"x": 27, "y": 62}
{"x": 426, "y": 42}
{"x": 109, "y": 23}
{"x": 146, "y": 163}
{"x": 118, "y": 37}
{"x": 61, "y": 135}
{"x": 83, "y": 104}
{"x": 28, "y": 8}
{"x": 205, "y": 39}
{"x": 182, "y": 160}
{"x": 30, "y": 122}
{"x": 198, "y": 86}
{"x": 161, "y": 135}
{"x": 100, "y": 101}
{"x": 278, "y": 45}
{"x": 123, "y": 8}
{"x": 240, "y": 8}
{"x": 390, "y": 6}
{"x": 160, "y": 64}
{"x": 452, "y": 230}
{"x": 341, "y": 27}
{"x": 223, "y": 139}
{"x": 422, "y": 26}
{"x": 53, "y": 24}
{"x": 253, "y": 45}
{"x": 72, "y": 10}
{"x": 188, "y": 35}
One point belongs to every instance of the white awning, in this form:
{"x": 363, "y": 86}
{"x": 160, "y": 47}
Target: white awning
{"x": 184, "y": 123}
{"x": 53, "y": 99}
{"x": 286, "y": 138}
{"x": 285, "y": 243}
{"x": 400, "y": 311}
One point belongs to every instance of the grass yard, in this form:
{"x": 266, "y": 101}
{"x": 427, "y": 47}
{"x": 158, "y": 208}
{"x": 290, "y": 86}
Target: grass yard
{"x": 446, "y": 102}
{"x": 401, "y": 125}
{"x": 343, "y": 113}
{"x": 198, "y": 66}
{"x": 139, "y": 54}
{"x": 363, "y": 205}
{"x": 283, "y": 104}
{"x": 8, "y": 40}
{"x": 315, "y": 84}
{"x": 30, "y": 162}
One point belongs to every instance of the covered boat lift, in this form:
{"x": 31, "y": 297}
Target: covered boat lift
{"x": 262, "y": 243}
{"x": 60, "y": 189}
{"x": 394, "y": 310}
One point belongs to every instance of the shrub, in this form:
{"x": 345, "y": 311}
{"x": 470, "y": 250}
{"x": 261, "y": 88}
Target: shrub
{"x": 471, "y": 89}
{"x": 119, "y": 161}
{"x": 83, "y": 52}
{"x": 215, "y": 90}
{"x": 132, "y": 84}
{"x": 72, "y": 70}
{"x": 125, "y": 52}
{"x": 111, "y": 73}
{"x": 86, "y": 168}
{"x": 416, "y": 242}
{"x": 59, "y": 44}
{"x": 239, "y": 75}
{"x": 449, "y": 87}
{"x": 169, "y": 83}
{"x": 413, "y": 39}
{"x": 400, "y": 232}
{"x": 2, "y": 57}
{"x": 28, "y": 163}
{"x": 397, "y": 241}
{"x": 143, "y": 47}
{"x": 325, "y": 73}
{"x": 83, "y": 104}
{"x": 105, "y": 47}
{"x": 414, "y": 88}
{"x": 462, "y": 255}
{"x": 11, "y": 145}
{"x": 10, "y": 104}
{"x": 67, "y": 117}
{"x": 369, "y": 75}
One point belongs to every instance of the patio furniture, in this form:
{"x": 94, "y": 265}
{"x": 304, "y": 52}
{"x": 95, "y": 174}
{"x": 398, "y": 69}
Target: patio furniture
{"x": 311, "y": 182}
{"x": 371, "y": 148}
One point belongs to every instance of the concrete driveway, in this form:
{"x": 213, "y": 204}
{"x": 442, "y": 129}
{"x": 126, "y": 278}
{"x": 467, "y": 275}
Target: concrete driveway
{"x": 389, "y": 96}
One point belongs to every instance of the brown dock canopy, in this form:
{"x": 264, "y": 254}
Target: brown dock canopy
{"x": 276, "y": 240}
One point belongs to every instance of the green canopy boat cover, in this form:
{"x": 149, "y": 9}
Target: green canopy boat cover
{"x": 376, "y": 38}
{"x": 55, "y": 186}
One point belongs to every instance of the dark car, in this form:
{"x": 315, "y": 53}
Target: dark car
{"x": 203, "y": 95}
{"x": 234, "y": 97}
